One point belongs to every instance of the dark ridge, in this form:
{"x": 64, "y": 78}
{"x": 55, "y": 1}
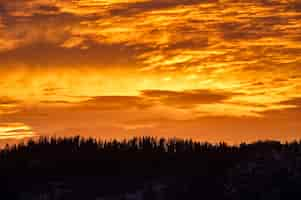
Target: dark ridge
{"x": 86, "y": 168}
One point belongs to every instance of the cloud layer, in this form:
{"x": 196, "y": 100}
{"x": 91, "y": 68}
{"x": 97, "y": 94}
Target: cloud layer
{"x": 156, "y": 62}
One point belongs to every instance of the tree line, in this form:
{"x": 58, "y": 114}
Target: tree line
{"x": 92, "y": 167}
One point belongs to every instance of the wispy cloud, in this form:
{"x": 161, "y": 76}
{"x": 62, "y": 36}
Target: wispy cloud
{"x": 15, "y": 131}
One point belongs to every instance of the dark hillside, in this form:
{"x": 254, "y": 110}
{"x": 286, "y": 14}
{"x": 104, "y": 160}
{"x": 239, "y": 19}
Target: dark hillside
{"x": 149, "y": 168}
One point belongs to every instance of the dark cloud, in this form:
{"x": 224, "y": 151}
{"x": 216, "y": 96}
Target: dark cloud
{"x": 195, "y": 43}
{"x": 8, "y": 101}
{"x": 115, "y": 103}
{"x": 49, "y": 8}
{"x": 2, "y": 9}
{"x": 150, "y": 98}
{"x": 51, "y": 90}
{"x": 56, "y": 102}
{"x": 295, "y": 6}
{"x": 139, "y": 7}
{"x": 45, "y": 54}
{"x": 187, "y": 98}
{"x": 253, "y": 29}
{"x": 294, "y": 102}
{"x": 17, "y": 131}
{"x": 287, "y": 116}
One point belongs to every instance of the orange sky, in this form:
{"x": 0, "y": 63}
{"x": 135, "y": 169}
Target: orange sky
{"x": 210, "y": 70}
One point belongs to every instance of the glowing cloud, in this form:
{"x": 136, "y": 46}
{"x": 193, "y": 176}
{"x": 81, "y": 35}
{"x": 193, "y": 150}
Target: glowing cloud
{"x": 15, "y": 131}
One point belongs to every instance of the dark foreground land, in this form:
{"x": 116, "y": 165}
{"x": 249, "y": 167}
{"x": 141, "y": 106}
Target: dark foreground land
{"x": 149, "y": 169}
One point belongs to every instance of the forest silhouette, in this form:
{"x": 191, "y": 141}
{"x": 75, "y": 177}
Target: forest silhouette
{"x": 87, "y": 168}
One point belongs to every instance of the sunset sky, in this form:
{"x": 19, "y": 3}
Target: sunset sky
{"x": 203, "y": 69}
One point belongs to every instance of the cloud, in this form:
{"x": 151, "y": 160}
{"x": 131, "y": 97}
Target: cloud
{"x": 8, "y": 105}
{"x": 8, "y": 101}
{"x": 190, "y": 35}
{"x": 149, "y": 99}
{"x": 107, "y": 61}
{"x": 286, "y": 119}
{"x": 115, "y": 103}
{"x": 187, "y": 98}
{"x": 294, "y": 102}
{"x": 15, "y": 131}
{"x": 88, "y": 53}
